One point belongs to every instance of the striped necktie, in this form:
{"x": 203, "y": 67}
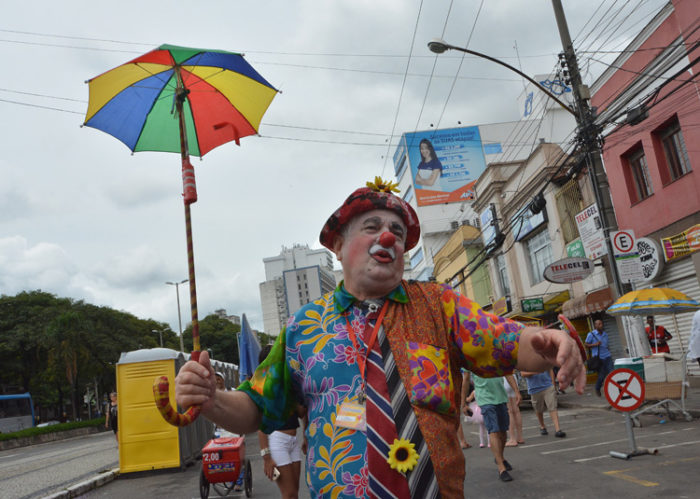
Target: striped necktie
{"x": 390, "y": 416}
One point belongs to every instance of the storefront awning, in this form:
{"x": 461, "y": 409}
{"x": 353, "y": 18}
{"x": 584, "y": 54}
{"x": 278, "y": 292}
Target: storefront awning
{"x": 595, "y": 301}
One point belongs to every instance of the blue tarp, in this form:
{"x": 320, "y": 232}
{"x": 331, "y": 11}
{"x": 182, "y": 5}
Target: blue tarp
{"x": 248, "y": 350}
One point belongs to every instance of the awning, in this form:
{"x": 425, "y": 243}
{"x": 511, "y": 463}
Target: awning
{"x": 552, "y": 303}
{"x": 527, "y": 320}
{"x": 595, "y": 301}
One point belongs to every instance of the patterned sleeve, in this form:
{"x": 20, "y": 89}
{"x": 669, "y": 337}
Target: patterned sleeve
{"x": 488, "y": 342}
{"x": 271, "y": 388}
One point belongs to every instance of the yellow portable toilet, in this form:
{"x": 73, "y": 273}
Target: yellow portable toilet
{"x": 146, "y": 441}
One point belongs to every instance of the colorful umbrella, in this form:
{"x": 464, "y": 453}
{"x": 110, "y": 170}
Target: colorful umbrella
{"x": 223, "y": 99}
{"x": 179, "y": 99}
{"x": 653, "y": 301}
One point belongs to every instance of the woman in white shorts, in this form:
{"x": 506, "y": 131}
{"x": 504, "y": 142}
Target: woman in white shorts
{"x": 516, "y": 419}
{"x": 281, "y": 451}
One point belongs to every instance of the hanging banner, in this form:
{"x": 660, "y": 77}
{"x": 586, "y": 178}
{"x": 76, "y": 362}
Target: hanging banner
{"x": 681, "y": 244}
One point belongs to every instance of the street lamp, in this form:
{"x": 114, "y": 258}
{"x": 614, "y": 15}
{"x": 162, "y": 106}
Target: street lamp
{"x": 439, "y": 46}
{"x": 160, "y": 335}
{"x": 596, "y": 172}
{"x": 179, "y": 317}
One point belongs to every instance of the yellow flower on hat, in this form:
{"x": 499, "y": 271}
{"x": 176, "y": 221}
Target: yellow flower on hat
{"x": 402, "y": 455}
{"x": 381, "y": 185}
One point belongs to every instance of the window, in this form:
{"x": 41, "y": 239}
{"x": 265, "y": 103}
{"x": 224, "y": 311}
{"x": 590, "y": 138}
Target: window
{"x": 675, "y": 152}
{"x": 503, "y": 275}
{"x": 540, "y": 250}
{"x": 569, "y": 203}
{"x": 417, "y": 258}
{"x": 638, "y": 175}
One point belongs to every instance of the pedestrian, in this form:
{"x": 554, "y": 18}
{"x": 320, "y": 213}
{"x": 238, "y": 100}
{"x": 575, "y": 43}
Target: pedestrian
{"x": 597, "y": 341}
{"x": 377, "y": 362}
{"x": 111, "y": 419}
{"x": 474, "y": 415}
{"x": 466, "y": 389}
{"x": 281, "y": 450}
{"x": 543, "y": 395}
{"x": 694, "y": 344}
{"x": 658, "y": 337}
{"x": 515, "y": 432}
{"x": 493, "y": 402}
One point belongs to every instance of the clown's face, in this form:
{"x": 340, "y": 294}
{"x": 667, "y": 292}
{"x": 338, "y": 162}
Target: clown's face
{"x": 372, "y": 263}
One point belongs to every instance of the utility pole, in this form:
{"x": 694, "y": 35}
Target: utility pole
{"x": 589, "y": 138}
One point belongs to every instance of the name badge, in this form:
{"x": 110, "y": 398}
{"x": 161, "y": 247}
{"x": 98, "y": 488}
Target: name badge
{"x": 351, "y": 415}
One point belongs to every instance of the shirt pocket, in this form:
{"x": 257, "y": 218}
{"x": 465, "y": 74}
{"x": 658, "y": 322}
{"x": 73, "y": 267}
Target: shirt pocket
{"x": 431, "y": 378}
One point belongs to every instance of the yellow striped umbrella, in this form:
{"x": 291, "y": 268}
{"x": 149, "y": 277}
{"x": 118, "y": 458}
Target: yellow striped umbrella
{"x": 653, "y": 301}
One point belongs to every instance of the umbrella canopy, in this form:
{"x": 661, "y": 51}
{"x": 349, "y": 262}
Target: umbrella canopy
{"x": 653, "y": 301}
{"x": 224, "y": 100}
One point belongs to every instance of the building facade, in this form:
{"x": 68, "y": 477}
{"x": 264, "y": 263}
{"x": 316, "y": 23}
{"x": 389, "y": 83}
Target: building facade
{"x": 649, "y": 102}
{"x": 293, "y": 278}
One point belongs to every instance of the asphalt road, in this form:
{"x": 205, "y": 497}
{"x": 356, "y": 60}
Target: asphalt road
{"x": 578, "y": 466}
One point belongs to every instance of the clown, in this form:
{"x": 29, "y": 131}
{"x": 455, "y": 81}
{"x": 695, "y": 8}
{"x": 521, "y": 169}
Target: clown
{"x": 377, "y": 364}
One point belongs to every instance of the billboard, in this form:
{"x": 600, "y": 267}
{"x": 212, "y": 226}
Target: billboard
{"x": 445, "y": 164}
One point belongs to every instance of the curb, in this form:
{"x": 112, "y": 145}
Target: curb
{"x": 85, "y": 486}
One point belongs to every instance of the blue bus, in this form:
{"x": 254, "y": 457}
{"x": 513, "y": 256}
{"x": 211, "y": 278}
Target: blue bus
{"x": 16, "y": 412}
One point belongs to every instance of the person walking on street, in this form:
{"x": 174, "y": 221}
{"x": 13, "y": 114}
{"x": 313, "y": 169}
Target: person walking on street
{"x": 597, "y": 341}
{"x": 543, "y": 394}
{"x": 377, "y": 364}
{"x": 515, "y": 433}
{"x": 493, "y": 401}
{"x": 111, "y": 419}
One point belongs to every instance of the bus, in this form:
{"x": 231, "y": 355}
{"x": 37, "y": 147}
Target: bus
{"x": 16, "y": 412}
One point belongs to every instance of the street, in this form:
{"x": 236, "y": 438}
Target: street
{"x": 544, "y": 467}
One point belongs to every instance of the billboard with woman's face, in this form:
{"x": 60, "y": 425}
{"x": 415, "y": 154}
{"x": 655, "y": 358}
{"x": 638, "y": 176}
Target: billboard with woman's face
{"x": 445, "y": 164}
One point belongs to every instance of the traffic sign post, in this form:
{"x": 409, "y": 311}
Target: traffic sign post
{"x": 624, "y": 390}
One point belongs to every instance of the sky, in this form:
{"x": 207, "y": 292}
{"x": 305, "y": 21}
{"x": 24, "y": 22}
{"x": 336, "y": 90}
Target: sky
{"x": 82, "y": 217}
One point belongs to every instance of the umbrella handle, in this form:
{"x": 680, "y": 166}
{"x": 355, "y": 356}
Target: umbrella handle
{"x": 161, "y": 394}
{"x": 574, "y": 335}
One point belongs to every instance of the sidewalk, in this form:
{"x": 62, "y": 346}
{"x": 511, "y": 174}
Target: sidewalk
{"x": 589, "y": 399}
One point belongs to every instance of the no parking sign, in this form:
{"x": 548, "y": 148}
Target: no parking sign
{"x": 624, "y": 389}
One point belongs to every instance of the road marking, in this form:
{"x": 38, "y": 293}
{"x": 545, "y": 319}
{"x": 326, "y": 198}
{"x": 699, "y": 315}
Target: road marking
{"x": 605, "y": 456}
{"x": 629, "y": 478}
{"x": 606, "y": 443}
{"x": 5, "y": 456}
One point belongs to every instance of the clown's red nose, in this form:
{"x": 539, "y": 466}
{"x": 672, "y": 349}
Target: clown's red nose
{"x": 387, "y": 239}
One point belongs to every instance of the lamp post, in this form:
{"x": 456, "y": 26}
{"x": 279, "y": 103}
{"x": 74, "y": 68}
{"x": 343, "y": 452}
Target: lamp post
{"x": 592, "y": 152}
{"x": 439, "y": 46}
{"x": 179, "y": 317}
{"x": 160, "y": 335}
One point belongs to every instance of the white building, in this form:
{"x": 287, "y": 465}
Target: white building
{"x": 295, "y": 277}
{"x": 466, "y": 152}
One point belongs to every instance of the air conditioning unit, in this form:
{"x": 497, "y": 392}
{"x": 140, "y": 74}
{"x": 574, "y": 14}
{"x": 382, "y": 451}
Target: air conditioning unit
{"x": 454, "y": 225}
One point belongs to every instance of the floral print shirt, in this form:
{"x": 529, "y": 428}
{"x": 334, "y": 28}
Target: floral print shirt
{"x": 314, "y": 359}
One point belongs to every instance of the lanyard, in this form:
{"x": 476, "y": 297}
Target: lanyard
{"x": 362, "y": 362}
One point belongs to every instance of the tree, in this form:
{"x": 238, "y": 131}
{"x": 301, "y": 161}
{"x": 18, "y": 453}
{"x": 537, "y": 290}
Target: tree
{"x": 218, "y": 335}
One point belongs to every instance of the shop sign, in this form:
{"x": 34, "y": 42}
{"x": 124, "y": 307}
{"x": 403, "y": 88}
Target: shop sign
{"x": 649, "y": 258}
{"x": 682, "y": 244}
{"x": 532, "y": 304}
{"x": 575, "y": 248}
{"x": 501, "y": 306}
{"x": 590, "y": 228}
{"x": 568, "y": 270}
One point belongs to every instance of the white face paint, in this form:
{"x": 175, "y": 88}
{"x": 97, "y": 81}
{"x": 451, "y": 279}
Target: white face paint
{"x": 382, "y": 254}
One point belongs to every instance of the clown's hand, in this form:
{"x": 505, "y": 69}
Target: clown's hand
{"x": 541, "y": 349}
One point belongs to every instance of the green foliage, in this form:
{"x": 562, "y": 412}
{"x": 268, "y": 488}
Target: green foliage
{"x": 31, "y": 432}
{"x": 218, "y": 335}
{"x": 55, "y": 348}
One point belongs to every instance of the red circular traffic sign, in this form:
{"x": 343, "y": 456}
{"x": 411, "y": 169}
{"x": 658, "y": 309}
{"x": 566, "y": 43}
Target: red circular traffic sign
{"x": 624, "y": 389}
{"x": 623, "y": 242}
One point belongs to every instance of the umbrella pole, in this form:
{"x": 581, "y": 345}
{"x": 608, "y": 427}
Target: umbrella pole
{"x": 189, "y": 196}
{"x": 678, "y": 334}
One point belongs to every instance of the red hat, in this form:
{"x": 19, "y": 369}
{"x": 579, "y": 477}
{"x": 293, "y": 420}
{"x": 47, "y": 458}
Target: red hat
{"x": 376, "y": 196}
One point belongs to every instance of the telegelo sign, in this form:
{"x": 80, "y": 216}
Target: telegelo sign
{"x": 568, "y": 270}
